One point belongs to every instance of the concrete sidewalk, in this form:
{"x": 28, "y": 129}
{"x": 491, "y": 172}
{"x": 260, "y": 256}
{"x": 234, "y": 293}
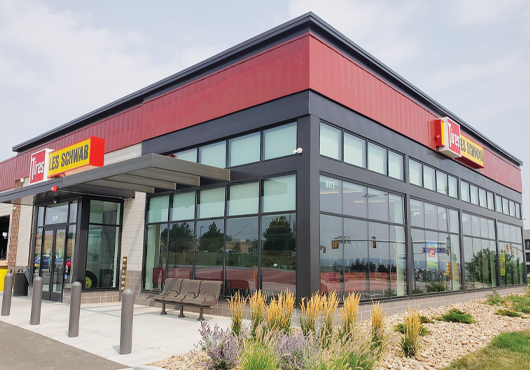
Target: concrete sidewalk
{"x": 155, "y": 336}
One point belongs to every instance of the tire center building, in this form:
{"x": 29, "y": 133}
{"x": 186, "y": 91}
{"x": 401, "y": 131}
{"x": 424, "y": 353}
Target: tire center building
{"x": 293, "y": 160}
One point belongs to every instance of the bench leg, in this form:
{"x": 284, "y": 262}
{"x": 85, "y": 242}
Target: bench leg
{"x": 181, "y": 311}
{"x": 163, "y": 309}
{"x": 201, "y": 317}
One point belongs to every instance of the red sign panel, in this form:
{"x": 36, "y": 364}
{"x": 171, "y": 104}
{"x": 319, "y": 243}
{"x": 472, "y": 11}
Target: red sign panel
{"x": 447, "y": 137}
{"x": 39, "y": 166}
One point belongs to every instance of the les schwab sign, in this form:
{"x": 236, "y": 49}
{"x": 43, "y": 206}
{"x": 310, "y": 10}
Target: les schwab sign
{"x": 451, "y": 142}
{"x": 47, "y": 163}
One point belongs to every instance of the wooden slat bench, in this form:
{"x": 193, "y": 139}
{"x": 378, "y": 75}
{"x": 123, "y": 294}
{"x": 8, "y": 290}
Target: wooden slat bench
{"x": 193, "y": 293}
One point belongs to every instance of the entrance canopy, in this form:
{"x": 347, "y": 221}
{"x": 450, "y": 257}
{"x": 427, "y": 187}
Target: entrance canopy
{"x": 120, "y": 180}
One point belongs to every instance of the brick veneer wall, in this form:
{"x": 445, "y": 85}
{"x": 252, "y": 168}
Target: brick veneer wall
{"x": 13, "y": 233}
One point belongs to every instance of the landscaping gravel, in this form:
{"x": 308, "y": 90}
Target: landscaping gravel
{"x": 446, "y": 342}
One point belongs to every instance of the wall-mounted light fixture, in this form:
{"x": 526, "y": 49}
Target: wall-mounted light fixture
{"x": 298, "y": 151}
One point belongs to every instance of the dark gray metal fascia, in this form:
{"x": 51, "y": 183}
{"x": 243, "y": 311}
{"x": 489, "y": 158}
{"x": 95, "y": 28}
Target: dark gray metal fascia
{"x": 30, "y": 190}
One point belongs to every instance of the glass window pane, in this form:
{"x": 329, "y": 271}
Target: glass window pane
{"x": 354, "y": 150}
{"x": 484, "y": 231}
{"x": 158, "y": 209}
{"x": 491, "y": 205}
{"x": 102, "y": 212}
{"x": 395, "y": 165}
{"x": 279, "y": 194}
{"x": 245, "y": 149}
{"x": 428, "y": 178}
{"x": 330, "y": 141}
{"x": 420, "y": 261}
{"x": 180, "y": 251}
{"x": 243, "y": 199}
{"x": 415, "y": 174}
{"x": 441, "y": 182}
{"x": 330, "y": 195}
{"x": 473, "y": 194}
{"x": 354, "y": 245}
{"x": 512, "y": 208}
{"x": 377, "y": 158}
{"x": 416, "y": 213}
{"x": 332, "y": 249}
{"x": 40, "y": 216}
{"x": 505, "y": 207}
{"x": 472, "y": 268}
{"x": 69, "y": 257}
{"x": 464, "y": 191}
{"x": 431, "y": 216}
{"x": 395, "y": 203}
{"x": 102, "y": 256}
{"x": 377, "y": 205}
{"x": 189, "y": 155}
{"x": 500, "y": 231}
{"x": 56, "y": 214}
{"x": 452, "y": 186}
{"x": 453, "y": 221}
{"x": 466, "y": 224}
{"x": 73, "y": 212}
{"x": 183, "y": 206}
{"x": 213, "y": 155}
{"x": 380, "y": 260}
{"x": 209, "y": 254}
{"x": 442, "y": 219}
{"x": 278, "y": 256}
{"x": 517, "y": 210}
{"x": 155, "y": 255}
{"x": 354, "y": 200}
{"x": 475, "y": 225}
{"x": 491, "y": 229}
{"x": 482, "y": 201}
{"x": 279, "y": 141}
{"x": 211, "y": 203}
{"x": 498, "y": 203}
{"x": 242, "y": 255}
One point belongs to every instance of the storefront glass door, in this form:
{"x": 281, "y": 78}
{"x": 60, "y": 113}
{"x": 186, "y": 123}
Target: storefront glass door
{"x": 52, "y": 262}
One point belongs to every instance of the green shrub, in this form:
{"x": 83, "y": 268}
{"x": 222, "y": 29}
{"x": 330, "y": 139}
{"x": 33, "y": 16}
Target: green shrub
{"x": 509, "y": 313}
{"x": 520, "y": 303}
{"x": 351, "y": 352}
{"x": 426, "y": 320}
{"x": 435, "y": 286}
{"x": 455, "y": 315}
{"x": 494, "y": 299}
{"x": 423, "y": 331}
{"x": 517, "y": 342}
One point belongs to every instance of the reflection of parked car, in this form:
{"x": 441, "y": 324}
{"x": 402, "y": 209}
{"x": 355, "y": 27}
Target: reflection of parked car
{"x": 46, "y": 262}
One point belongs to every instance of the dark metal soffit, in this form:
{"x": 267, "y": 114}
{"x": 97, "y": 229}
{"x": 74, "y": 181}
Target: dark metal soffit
{"x": 142, "y": 174}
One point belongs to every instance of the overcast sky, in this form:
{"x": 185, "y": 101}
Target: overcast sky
{"x": 61, "y": 59}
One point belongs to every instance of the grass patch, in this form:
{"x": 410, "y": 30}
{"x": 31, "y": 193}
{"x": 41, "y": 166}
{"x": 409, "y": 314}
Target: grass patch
{"x": 455, "y": 315}
{"x": 426, "y": 320}
{"x": 494, "y": 299}
{"x": 506, "y": 351}
{"x": 519, "y": 303}
{"x": 423, "y": 330}
{"x": 509, "y": 313}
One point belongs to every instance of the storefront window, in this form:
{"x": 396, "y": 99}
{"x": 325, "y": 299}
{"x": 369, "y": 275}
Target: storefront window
{"x": 180, "y": 251}
{"x": 330, "y": 142}
{"x": 441, "y": 182}
{"x": 183, "y": 207}
{"x": 245, "y": 149}
{"x": 279, "y": 194}
{"x": 464, "y": 191}
{"x": 354, "y": 150}
{"x": 211, "y": 203}
{"x": 56, "y": 214}
{"x": 187, "y": 155}
{"x": 213, "y": 155}
{"x": 452, "y": 183}
{"x": 156, "y": 256}
{"x": 69, "y": 257}
{"x": 395, "y": 165}
{"x": 489, "y": 196}
{"x": 279, "y": 141}
{"x": 242, "y": 252}
{"x": 377, "y": 158}
{"x": 354, "y": 200}
{"x": 415, "y": 173}
{"x": 330, "y": 195}
{"x": 158, "y": 209}
{"x": 243, "y": 199}
{"x": 473, "y": 194}
{"x": 511, "y": 254}
{"x": 209, "y": 254}
{"x": 429, "y": 178}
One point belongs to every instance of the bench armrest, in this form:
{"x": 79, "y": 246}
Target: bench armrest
{"x": 154, "y": 291}
{"x": 187, "y": 294}
{"x": 213, "y": 299}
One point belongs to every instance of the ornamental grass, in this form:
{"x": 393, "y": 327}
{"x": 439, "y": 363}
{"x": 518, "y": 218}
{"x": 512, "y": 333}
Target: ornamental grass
{"x": 378, "y": 323}
{"x": 237, "y": 308}
{"x": 279, "y": 313}
{"x": 310, "y": 312}
{"x": 329, "y": 307}
{"x": 348, "y": 314}
{"x": 411, "y": 341}
{"x": 257, "y": 310}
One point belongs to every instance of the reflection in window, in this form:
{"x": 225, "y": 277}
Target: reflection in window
{"x": 330, "y": 195}
{"x": 441, "y": 182}
{"x": 482, "y": 200}
{"x": 209, "y": 252}
{"x": 429, "y": 178}
{"x": 489, "y": 196}
{"x": 354, "y": 150}
{"x": 464, "y": 191}
{"x": 241, "y": 255}
{"x": 354, "y": 200}
{"x": 156, "y": 256}
{"x": 279, "y": 141}
{"x": 452, "y": 185}
{"x": 473, "y": 194}
{"x": 179, "y": 251}
{"x": 330, "y": 142}
{"x": 279, "y": 194}
{"x": 102, "y": 256}
{"x": 278, "y": 254}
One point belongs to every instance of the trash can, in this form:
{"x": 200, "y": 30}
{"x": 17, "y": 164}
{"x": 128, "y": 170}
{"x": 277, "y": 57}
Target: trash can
{"x": 20, "y": 285}
{"x": 3, "y": 273}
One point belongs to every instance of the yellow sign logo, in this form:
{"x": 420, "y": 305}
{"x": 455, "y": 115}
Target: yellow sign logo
{"x": 89, "y": 152}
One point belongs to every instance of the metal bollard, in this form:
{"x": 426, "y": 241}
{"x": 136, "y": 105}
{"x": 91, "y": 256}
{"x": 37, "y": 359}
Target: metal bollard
{"x": 8, "y": 291}
{"x": 36, "y": 301}
{"x": 127, "y": 310}
{"x": 75, "y": 310}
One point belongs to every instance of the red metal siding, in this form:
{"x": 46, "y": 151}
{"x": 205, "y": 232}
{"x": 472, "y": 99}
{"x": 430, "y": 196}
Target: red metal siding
{"x": 365, "y": 93}
{"x": 277, "y": 72}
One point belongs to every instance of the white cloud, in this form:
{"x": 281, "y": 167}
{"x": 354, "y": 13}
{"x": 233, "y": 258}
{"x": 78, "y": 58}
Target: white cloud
{"x": 481, "y": 12}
